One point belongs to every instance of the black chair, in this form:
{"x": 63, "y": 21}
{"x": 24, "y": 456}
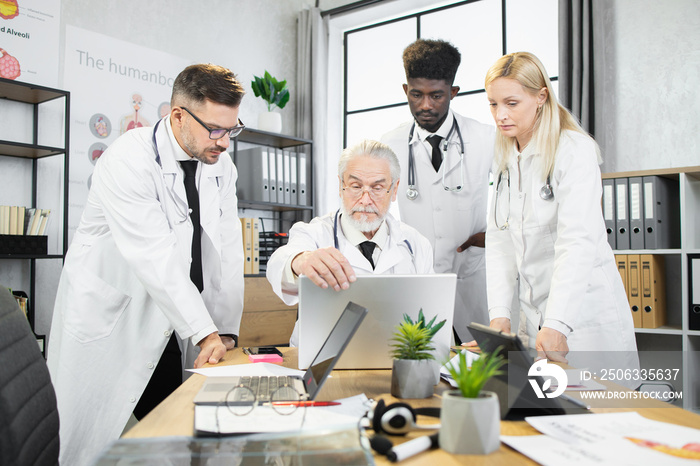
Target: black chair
{"x": 28, "y": 411}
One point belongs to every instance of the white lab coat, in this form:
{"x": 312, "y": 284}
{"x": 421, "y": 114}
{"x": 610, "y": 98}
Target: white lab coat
{"x": 449, "y": 218}
{"x": 125, "y": 285}
{"x": 558, "y": 248}
{"x": 396, "y": 257}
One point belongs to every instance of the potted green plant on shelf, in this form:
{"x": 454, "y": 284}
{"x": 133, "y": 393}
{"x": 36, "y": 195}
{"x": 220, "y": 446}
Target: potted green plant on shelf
{"x": 276, "y": 94}
{"x": 414, "y": 368}
{"x": 470, "y": 417}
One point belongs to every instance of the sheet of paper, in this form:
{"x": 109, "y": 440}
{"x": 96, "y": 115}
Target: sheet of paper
{"x": 215, "y": 419}
{"x": 260, "y": 368}
{"x": 576, "y": 384}
{"x": 547, "y": 451}
{"x": 628, "y": 434}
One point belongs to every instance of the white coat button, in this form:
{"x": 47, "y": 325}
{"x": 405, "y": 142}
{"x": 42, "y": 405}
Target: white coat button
{"x": 166, "y": 333}
{"x": 150, "y": 365}
{"x": 132, "y": 400}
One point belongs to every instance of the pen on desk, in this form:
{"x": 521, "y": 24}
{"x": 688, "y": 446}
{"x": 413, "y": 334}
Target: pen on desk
{"x": 306, "y": 403}
{"x": 412, "y": 447}
{"x": 246, "y": 351}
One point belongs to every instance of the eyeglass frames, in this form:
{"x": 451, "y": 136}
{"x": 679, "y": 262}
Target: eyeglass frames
{"x": 219, "y": 133}
{"x": 376, "y": 193}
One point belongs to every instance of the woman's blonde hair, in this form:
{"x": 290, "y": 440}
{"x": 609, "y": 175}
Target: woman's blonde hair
{"x": 552, "y": 118}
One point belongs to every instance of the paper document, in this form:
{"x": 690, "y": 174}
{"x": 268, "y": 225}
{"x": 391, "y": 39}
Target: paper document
{"x": 219, "y": 419}
{"x": 260, "y": 368}
{"x": 610, "y": 438}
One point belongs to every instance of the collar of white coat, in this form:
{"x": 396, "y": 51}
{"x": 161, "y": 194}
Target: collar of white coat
{"x": 355, "y": 236}
{"x": 526, "y": 153}
{"x": 171, "y": 152}
{"x": 421, "y": 134}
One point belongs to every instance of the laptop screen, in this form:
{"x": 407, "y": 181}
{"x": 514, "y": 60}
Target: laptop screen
{"x": 333, "y": 347}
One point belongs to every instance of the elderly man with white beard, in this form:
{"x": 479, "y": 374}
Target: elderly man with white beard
{"x": 362, "y": 237}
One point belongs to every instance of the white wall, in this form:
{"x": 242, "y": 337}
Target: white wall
{"x": 648, "y": 89}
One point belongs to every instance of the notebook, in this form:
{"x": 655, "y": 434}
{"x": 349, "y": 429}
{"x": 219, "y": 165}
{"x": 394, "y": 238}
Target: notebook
{"x": 516, "y": 395}
{"x": 216, "y": 389}
{"x": 387, "y": 297}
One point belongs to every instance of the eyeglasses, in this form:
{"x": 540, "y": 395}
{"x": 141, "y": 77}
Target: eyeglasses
{"x": 241, "y": 401}
{"x": 376, "y": 193}
{"x": 218, "y": 133}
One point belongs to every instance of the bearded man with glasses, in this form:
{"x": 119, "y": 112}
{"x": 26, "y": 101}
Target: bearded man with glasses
{"x": 361, "y": 237}
{"x": 153, "y": 280}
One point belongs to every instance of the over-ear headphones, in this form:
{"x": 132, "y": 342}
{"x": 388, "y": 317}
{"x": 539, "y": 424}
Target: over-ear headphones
{"x": 399, "y": 418}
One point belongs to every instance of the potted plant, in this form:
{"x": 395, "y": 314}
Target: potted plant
{"x": 414, "y": 368}
{"x": 276, "y": 94}
{"x": 470, "y": 417}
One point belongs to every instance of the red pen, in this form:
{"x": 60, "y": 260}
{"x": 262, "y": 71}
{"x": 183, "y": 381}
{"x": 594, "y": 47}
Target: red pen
{"x": 305, "y": 403}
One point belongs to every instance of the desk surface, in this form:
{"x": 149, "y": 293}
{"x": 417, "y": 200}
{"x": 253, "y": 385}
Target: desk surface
{"x": 175, "y": 415}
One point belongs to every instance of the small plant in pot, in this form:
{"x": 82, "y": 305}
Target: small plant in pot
{"x": 413, "y": 373}
{"x": 276, "y": 94}
{"x": 470, "y": 417}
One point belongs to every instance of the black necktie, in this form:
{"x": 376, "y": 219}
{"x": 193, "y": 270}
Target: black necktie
{"x": 190, "y": 169}
{"x": 437, "y": 154}
{"x": 367, "y": 250}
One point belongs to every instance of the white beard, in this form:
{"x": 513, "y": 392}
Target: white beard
{"x": 363, "y": 225}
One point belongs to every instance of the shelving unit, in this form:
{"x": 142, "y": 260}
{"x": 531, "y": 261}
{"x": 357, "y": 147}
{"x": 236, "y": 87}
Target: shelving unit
{"x": 266, "y": 319}
{"x": 281, "y": 215}
{"x": 675, "y": 345}
{"x": 36, "y": 96}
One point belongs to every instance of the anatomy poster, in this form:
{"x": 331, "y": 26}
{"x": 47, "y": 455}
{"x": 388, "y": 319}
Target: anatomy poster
{"x": 29, "y": 33}
{"x": 115, "y": 86}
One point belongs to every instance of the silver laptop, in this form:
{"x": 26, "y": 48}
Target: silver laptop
{"x": 217, "y": 390}
{"x": 388, "y": 298}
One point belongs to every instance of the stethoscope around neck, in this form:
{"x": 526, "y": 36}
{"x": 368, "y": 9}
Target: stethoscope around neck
{"x": 336, "y": 243}
{"x": 412, "y": 192}
{"x": 183, "y": 214}
{"x": 546, "y": 194}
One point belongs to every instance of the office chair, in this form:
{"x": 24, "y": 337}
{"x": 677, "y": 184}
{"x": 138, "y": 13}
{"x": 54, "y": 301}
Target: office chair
{"x": 29, "y": 427}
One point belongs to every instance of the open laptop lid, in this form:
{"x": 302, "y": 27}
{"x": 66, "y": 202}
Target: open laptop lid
{"x": 516, "y": 395}
{"x": 388, "y": 298}
{"x": 336, "y": 342}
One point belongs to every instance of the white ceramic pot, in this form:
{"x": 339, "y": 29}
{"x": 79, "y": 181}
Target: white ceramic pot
{"x": 270, "y": 122}
{"x": 412, "y": 378}
{"x": 470, "y": 426}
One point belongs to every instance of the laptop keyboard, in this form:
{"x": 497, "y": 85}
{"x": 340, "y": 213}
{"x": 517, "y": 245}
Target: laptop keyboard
{"x": 263, "y": 388}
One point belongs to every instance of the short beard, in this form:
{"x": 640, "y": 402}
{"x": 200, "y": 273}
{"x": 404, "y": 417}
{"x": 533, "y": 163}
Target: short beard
{"x": 363, "y": 225}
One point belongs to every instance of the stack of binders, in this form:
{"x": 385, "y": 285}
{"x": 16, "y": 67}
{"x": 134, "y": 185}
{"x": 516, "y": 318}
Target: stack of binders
{"x": 694, "y": 287}
{"x": 641, "y": 212}
{"x": 251, "y": 245}
{"x": 268, "y": 174}
{"x": 643, "y": 276}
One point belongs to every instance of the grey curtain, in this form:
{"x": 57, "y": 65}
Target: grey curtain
{"x": 312, "y": 83}
{"x": 576, "y": 64}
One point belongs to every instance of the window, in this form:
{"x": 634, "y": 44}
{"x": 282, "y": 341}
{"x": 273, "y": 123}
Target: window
{"x": 482, "y": 30}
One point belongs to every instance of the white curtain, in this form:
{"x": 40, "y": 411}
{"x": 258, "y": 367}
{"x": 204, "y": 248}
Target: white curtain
{"x": 312, "y": 85}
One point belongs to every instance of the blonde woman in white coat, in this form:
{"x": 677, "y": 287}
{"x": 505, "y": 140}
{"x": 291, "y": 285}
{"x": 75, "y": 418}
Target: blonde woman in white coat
{"x": 545, "y": 227}
{"x": 328, "y": 251}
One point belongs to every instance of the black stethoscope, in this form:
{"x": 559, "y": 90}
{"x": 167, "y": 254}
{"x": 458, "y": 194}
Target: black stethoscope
{"x": 546, "y": 194}
{"x": 412, "y": 192}
{"x": 335, "y": 234}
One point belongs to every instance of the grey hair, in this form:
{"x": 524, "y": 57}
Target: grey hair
{"x": 373, "y": 149}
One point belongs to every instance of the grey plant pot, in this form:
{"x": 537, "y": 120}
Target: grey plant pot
{"x": 412, "y": 378}
{"x": 470, "y": 426}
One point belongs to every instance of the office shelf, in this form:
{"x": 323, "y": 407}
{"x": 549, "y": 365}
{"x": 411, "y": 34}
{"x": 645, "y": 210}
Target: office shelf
{"x": 35, "y": 96}
{"x": 677, "y": 335}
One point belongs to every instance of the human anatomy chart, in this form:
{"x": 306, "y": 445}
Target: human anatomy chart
{"x": 9, "y": 65}
{"x": 8, "y": 9}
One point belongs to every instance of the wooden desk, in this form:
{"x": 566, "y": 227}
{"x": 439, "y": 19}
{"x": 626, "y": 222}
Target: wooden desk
{"x": 175, "y": 415}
